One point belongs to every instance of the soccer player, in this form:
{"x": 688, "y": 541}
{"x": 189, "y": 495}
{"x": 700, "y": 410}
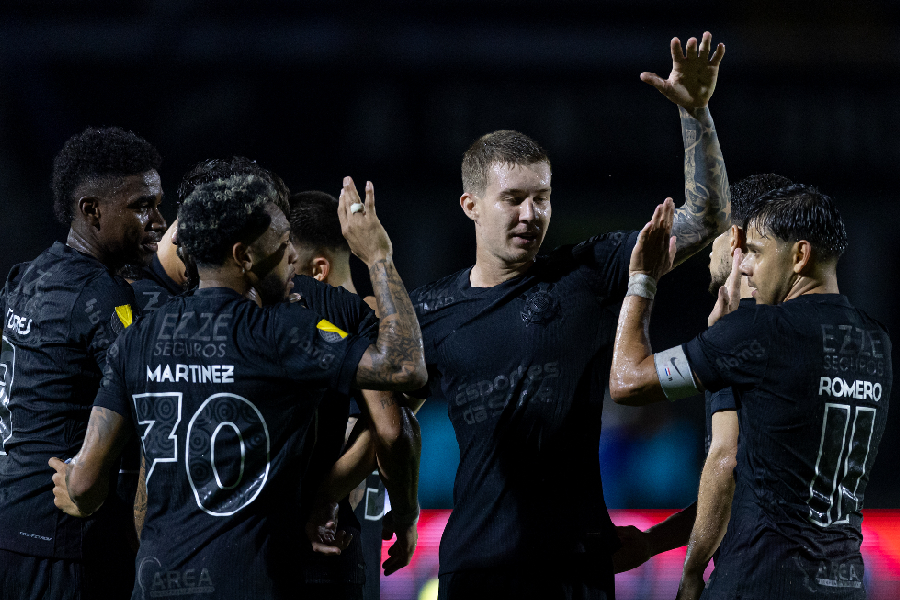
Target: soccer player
{"x": 519, "y": 345}
{"x": 702, "y": 525}
{"x": 61, "y": 313}
{"x": 223, "y": 392}
{"x": 812, "y": 379}
{"x": 323, "y": 254}
{"x": 171, "y": 271}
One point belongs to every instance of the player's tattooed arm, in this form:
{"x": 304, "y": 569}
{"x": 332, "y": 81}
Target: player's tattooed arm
{"x": 707, "y": 209}
{"x": 713, "y": 503}
{"x": 81, "y": 486}
{"x": 396, "y": 361}
{"x": 140, "y": 500}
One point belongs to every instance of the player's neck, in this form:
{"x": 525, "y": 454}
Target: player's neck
{"x": 490, "y": 271}
{"x": 87, "y": 244}
{"x": 813, "y": 285}
{"x": 224, "y": 278}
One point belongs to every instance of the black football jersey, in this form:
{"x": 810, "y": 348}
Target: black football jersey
{"x": 524, "y": 366}
{"x": 812, "y": 379}
{"x": 62, "y": 312}
{"x": 222, "y": 393}
{"x": 155, "y": 287}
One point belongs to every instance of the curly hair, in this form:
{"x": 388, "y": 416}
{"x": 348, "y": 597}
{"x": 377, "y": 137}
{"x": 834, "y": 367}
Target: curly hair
{"x": 218, "y": 214}
{"x": 505, "y": 147}
{"x": 746, "y": 193}
{"x": 801, "y": 212}
{"x": 107, "y": 153}
{"x": 314, "y": 221}
{"x": 213, "y": 169}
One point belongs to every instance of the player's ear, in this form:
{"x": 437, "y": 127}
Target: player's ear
{"x": 467, "y": 203}
{"x": 737, "y": 239}
{"x": 240, "y": 254}
{"x": 321, "y": 267}
{"x": 89, "y": 208}
{"x": 802, "y": 256}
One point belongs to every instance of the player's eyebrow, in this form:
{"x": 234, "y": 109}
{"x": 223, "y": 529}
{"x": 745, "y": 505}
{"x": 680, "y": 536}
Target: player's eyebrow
{"x": 544, "y": 190}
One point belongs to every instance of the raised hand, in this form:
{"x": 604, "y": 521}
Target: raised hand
{"x": 654, "y": 252}
{"x": 694, "y": 72}
{"x": 367, "y": 238}
{"x": 729, "y": 294}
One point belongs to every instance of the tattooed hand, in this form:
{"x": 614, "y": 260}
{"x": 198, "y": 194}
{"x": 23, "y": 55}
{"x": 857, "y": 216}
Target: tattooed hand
{"x": 693, "y": 77}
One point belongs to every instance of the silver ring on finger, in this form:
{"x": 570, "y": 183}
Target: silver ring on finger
{"x": 357, "y": 207}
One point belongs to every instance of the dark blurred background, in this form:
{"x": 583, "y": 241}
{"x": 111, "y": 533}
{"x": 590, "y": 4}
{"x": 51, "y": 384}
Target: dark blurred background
{"x": 394, "y": 91}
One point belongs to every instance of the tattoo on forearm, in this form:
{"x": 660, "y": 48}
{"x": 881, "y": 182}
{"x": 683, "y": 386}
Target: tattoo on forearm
{"x": 140, "y": 502}
{"x": 707, "y": 208}
{"x": 399, "y": 339}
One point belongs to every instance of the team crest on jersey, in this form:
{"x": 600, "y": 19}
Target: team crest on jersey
{"x": 330, "y": 332}
{"x": 540, "y": 307}
{"x": 121, "y": 319}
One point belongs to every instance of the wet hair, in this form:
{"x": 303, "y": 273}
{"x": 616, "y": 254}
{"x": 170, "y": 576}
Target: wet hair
{"x": 213, "y": 169}
{"x": 745, "y": 194}
{"x": 801, "y": 212}
{"x": 218, "y": 214}
{"x": 102, "y": 155}
{"x": 314, "y": 221}
{"x": 505, "y": 147}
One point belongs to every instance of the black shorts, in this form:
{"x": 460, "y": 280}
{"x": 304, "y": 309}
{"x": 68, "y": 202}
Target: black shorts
{"x": 38, "y": 578}
{"x": 582, "y": 579}
{"x": 33, "y": 578}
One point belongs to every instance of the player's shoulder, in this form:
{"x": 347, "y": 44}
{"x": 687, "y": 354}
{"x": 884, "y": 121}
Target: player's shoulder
{"x": 438, "y": 293}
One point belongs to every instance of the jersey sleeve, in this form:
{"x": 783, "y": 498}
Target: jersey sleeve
{"x": 102, "y": 313}
{"x": 112, "y": 394}
{"x": 315, "y": 350}
{"x": 605, "y": 258}
{"x": 344, "y": 309}
{"x": 733, "y": 352}
{"x": 722, "y": 400}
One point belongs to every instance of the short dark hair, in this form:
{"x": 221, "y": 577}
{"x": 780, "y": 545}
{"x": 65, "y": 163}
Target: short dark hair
{"x": 801, "y": 212}
{"x": 314, "y": 221}
{"x": 213, "y": 169}
{"x": 506, "y": 147}
{"x": 108, "y": 153}
{"x": 745, "y": 194}
{"x": 218, "y": 214}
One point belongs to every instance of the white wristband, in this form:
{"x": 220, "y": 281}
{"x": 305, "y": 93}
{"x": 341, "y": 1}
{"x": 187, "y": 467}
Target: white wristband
{"x": 641, "y": 285}
{"x": 674, "y": 374}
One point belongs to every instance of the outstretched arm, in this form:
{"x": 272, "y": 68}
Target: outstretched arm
{"x": 707, "y": 209}
{"x": 396, "y": 361}
{"x": 82, "y": 485}
{"x": 713, "y": 503}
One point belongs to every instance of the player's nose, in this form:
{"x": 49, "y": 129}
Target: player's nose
{"x": 526, "y": 210}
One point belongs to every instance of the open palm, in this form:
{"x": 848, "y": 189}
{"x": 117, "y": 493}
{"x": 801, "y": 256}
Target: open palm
{"x": 693, "y": 78}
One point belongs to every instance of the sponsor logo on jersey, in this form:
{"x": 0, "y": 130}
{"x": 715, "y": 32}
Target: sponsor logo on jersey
{"x": 749, "y": 350}
{"x": 488, "y": 397}
{"x": 167, "y": 583}
{"x": 192, "y": 373}
{"x": 121, "y": 319}
{"x": 835, "y": 387}
{"x": 36, "y": 536}
{"x": 330, "y": 332}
